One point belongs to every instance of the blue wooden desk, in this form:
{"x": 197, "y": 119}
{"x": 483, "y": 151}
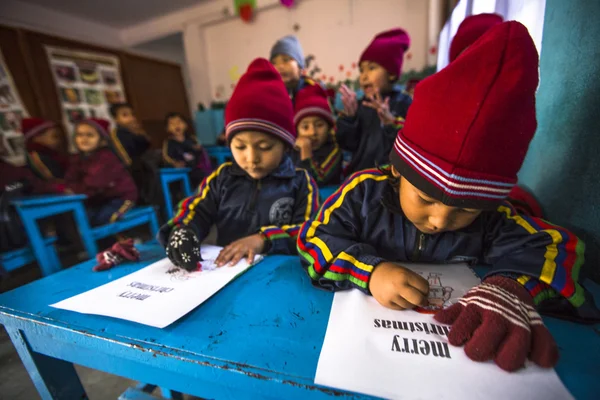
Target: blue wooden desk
{"x": 259, "y": 337}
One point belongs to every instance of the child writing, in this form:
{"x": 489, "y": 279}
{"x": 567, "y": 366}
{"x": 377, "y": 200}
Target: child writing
{"x": 46, "y": 156}
{"x": 97, "y": 172}
{"x": 368, "y": 129}
{"x": 317, "y": 150}
{"x": 288, "y": 59}
{"x": 259, "y": 201}
{"x": 181, "y": 149}
{"x": 441, "y": 200}
{"x": 129, "y": 139}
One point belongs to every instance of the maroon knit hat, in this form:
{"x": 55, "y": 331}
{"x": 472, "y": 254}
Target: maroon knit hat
{"x": 260, "y": 102}
{"x": 387, "y": 49}
{"x": 312, "y": 101}
{"x": 100, "y": 125}
{"x": 470, "y": 30}
{"x": 31, "y": 127}
{"x": 469, "y": 126}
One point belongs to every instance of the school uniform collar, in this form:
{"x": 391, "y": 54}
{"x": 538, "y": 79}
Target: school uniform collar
{"x": 286, "y": 169}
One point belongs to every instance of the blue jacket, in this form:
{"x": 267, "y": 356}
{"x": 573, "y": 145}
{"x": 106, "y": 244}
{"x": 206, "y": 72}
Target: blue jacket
{"x": 128, "y": 145}
{"x": 364, "y": 136}
{"x": 240, "y": 206}
{"x": 325, "y": 165}
{"x": 362, "y": 225}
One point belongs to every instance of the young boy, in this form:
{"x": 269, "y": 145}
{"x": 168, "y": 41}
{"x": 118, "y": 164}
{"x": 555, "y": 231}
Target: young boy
{"x": 368, "y": 129}
{"x": 44, "y": 143}
{"x": 288, "y": 59}
{"x": 317, "y": 150}
{"x": 181, "y": 149}
{"x": 441, "y": 200}
{"x": 259, "y": 201}
{"x": 129, "y": 139}
{"x": 98, "y": 173}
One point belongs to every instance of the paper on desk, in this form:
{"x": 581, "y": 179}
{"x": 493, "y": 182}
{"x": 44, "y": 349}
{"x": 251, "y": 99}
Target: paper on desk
{"x": 405, "y": 354}
{"x": 158, "y": 294}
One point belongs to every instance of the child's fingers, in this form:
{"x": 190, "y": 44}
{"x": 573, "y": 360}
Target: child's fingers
{"x": 237, "y": 256}
{"x": 224, "y": 256}
{"x": 414, "y": 296}
{"x": 250, "y": 257}
{"x": 344, "y": 89}
{"x": 419, "y": 283}
{"x": 402, "y": 303}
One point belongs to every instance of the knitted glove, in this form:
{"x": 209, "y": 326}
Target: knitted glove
{"x": 119, "y": 252}
{"x": 183, "y": 249}
{"x": 496, "y": 319}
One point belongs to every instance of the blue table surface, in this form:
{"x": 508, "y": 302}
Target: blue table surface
{"x": 268, "y": 324}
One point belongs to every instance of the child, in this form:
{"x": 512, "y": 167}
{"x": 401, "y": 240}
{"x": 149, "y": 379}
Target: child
{"x": 46, "y": 155}
{"x": 288, "y": 58}
{"x": 441, "y": 200}
{"x": 318, "y": 151}
{"x": 259, "y": 201}
{"x": 471, "y": 29}
{"x": 368, "y": 129}
{"x": 98, "y": 173}
{"x": 129, "y": 139}
{"x": 182, "y": 150}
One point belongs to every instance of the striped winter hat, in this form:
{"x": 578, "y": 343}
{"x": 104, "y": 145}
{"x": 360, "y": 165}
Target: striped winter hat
{"x": 469, "y": 126}
{"x": 31, "y": 127}
{"x": 102, "y": 126}
{"x": 311, "y": 101}
{"x": 260, "y": 102}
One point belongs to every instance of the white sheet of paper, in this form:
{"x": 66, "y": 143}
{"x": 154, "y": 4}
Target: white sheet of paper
{"x": 158, "y": 294}
{"x": 405, "y": 354}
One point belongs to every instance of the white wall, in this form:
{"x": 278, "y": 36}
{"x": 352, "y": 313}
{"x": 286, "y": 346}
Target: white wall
{"x": 335, "y": 31}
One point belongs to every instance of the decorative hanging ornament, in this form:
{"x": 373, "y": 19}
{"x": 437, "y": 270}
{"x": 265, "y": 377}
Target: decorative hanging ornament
{"x": 287, "y": 3}
{"x": 245, "y": 9}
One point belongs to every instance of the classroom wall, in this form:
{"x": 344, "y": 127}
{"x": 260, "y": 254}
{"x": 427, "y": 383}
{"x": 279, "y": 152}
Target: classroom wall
{"x": 562, "y": 166}
{"x": 334, "y": 31}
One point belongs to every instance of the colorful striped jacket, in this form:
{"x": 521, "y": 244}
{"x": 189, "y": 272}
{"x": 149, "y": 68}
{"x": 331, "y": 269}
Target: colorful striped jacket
{"x": 369, "y": 141}
{"x": 240, "y": 206}
{"x": 325, "y": 165}
{"x": 362, "y": 225}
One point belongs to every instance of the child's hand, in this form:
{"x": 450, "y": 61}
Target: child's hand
{"x": 246, "y": 247}
{"x": 304, "y": 145}
{"x": 398, "y": 288}
{"x": 179, "y": 164}
{"x": 349, "y": 101}
{"x": 382, "y": 107}
{"x": 496, "y": 320}
{"x": 183, "y": 248}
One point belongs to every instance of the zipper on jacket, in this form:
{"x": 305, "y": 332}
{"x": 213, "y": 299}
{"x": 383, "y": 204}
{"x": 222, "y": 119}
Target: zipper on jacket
{"x": 419, "y": 247}
{"x": 254, "y": 198}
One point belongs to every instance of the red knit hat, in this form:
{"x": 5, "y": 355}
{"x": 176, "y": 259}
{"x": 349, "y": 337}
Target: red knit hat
{"x": 260, "y": 102}
{"x": 470, "y": 30}
{"x": 31, "y": 127}
{"x": 312, "y": 101}
{"x": 469, "y": 126}
{"x": 102, "y": 126}
{"x": 387, "y": 49}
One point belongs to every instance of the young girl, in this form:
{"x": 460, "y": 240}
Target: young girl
{"x": 99, "y": 174}
{"x": 46, "y": 156}
{"x": 368, "y": 129}
{"x": 181, "y": 149}
{"x": 259, "y": 201}
{"x": 317, "y": 150}
{"x": 441, "y": 200}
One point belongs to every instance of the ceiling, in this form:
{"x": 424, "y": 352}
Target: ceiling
{"x": 116, "y": 13}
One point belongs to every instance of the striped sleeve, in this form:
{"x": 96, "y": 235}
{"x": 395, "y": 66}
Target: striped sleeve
{"x": 119, "y": 148}
{"x": 197, "y": 211}
{"x": 325, "y": 171}
{"x": 399, "y": 123}
{"x": 282, "y": 239}
{"x": 546, "y": 258}
{"x": 330, "y": 245}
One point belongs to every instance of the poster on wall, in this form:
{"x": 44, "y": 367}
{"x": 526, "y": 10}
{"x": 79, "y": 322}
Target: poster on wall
{"x": 12, "y": 110}
{"x": 87, "y": 84}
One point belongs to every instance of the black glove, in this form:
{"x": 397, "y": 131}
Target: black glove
{"x": 183, "y": 248}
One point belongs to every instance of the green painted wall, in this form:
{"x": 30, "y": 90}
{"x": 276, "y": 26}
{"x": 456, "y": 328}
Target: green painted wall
{"x": 562, "y": 167}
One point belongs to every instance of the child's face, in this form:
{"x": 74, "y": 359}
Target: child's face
{"x": 176, "y": 126}
{"x": 315, "y": 129}
{"x": 87, "y": 139}
{"x": 125, "y": 117}
{"x": 257, "y": 153}
{"x": 51, "y": 139}
{"x": 288, "y": 68}
{"x": 374, "y": 78}
{"x": 429, "y": 215}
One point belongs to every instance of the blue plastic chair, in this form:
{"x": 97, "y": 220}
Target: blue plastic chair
{"x": 219, "y": 154}
{"x": 16, "y": 259}
{"x": 169, "y": 175}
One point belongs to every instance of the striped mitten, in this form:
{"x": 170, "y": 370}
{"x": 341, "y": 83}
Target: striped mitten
{"x": 496, "y": 320}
